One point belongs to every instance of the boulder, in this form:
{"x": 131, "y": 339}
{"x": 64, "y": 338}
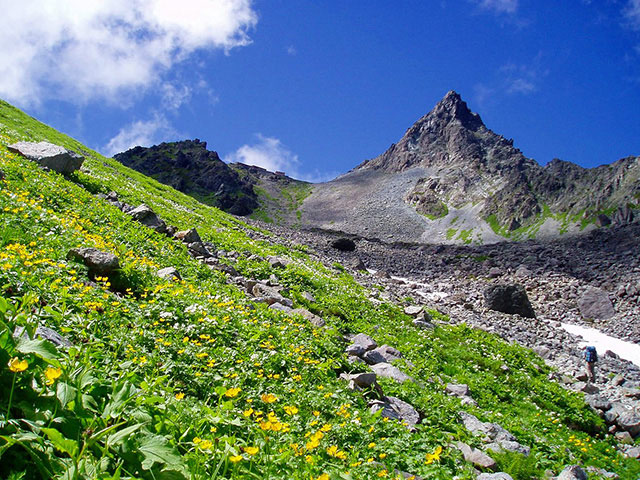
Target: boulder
{"x": 148, "y": 218}
{"x": 373, "y": 357}
{"x": 457, "y": 389}
{"x": 280, "y": 307}
{"x": 278, "y": 262}
{"x": 344, "y": 244}
{"x": 494, "y": 476}
{"x": 170, "y": 273}
{"x": 476, "y": 457}
{"x": 509, "y": 298}
{"x": 308, "y": 297}
{"x": 365, "y": 341}
{"x": 362, "y": 380}
{"x": 188, "y": 236}
{"x": 199, "y": 249}
{"x": 396, "y": 409}
{"x": 390, "y": 371}
{"x": 97, "y": 261}
{"x": 315, "y": 320}
{"x": 594, "y": 304}
{"x": 54, "y": 157}
{"x": 630, "y": 422}
{"x": 45, "y": 333}
{"x": 572, "y": 472}
{"x": 413, "y": 310}
{"x": 423, "y": 324}
{"x": 602, "y": 220}
{"x": 355, "y": 350}
{"x": 388, "y": 353}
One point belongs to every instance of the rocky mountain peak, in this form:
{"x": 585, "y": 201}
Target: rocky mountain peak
{"x": 453, "y": 108}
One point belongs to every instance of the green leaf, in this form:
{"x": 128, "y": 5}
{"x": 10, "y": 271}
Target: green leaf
{"x": 156, "y": 449}
{"x": 65, "y": 393}
{"x": 60, "y": 442}
{"x": 9, "y": 442}
{"x": 117, "y": 437}
{"x": 42, "y": 348}
{"x": 120, "y": 398}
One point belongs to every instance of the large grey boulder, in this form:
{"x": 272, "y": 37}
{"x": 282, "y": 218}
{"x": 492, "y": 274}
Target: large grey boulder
{"x": 396, "y": 409}
{"x": 509, "y": 298}
{"x": 500, "y": 438}
{"x": 169, "y": 273}
{"x": 595, "y": 304}
{"x": 373, "y": 357}
{"x": 630, "y": 422}
{"x": 148, "y": 218}
{"x": 97, "y": 261}
{"x": 365, "y": 341}
{"x": 476, "y": 457}
{"x": 54, "y": 157}
{"x": 388, "y": 352}
{"x": 188, "y": 236}
{"x": 390, "y": 371}
{"x": 572, "y": 472}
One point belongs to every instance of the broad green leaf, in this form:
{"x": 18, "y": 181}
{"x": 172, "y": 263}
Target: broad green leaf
{"x": 156, "y": 449}
{"x": 120, "y": 398}
{"x": 117, "y": 437}
{"x": 42, "y": 348}
{"x": 9, "y": 442}
{"x": 60, "y": 442}
{"x": 65, "y": 393}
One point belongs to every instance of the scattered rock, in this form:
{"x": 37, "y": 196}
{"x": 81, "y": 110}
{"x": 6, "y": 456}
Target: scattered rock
{"x": 308, "y": 297}
{"x": 602, "y": 220}
{"x": 572, "y": 472}
{"x": 423, "y": 324}
{"x": 148, "y": 218}
{"x": 390, "y": 371}
{"x": 280, "y": 307}
{"x": 457, "y": 389}
{"x": 630, "y": 421}
{"x": 278, "y": 262}
{"x": 510, "y": 299}
{"x": 315, "y": 320}
{"x": 413, "y": 310}
{"x": 494, "y": 476}
{"x": 476, "y": 457}
{"x": 388, "y": 353}
{"x": 170, "y": 273}
{"x": 595, "y": 304}
{"x": 48, "y": 155}
{"x": 99, "y": 262}
{"x": 199, "y": 249}
{"x": 355, "y": 350}
{"x": 373, "y": 357}
{"x": 396, "y": 409}
{"x": 365, "y": 341}
{"x": 362, "y": 380}
{"x": 344, "y": 244}
{"x": 188, "y": 236}
{"x": 45, "y": 333}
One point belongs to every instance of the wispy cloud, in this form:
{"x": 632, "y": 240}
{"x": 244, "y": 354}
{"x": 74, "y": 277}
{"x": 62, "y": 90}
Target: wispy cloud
{"x": 142, "y": 133}
{"x": 512, "y": 79}
{"x": 291, "y": 50}
{"x": 80, "y": 50}
{"x": 632, "y": 14}
{"x": 498, "y": 6}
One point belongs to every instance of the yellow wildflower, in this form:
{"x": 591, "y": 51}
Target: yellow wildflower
{"x": 51, "y": 374}
{"x": 232, "y": 392}
{"x": 16, "y": 365}
{"x": 235, "y": 458}
{"x": 268, "y": 398}
{"x": 251, "y": 450}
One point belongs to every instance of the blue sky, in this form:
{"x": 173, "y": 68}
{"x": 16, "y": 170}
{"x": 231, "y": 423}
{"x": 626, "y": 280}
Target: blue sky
{"x": 314, "y": 88}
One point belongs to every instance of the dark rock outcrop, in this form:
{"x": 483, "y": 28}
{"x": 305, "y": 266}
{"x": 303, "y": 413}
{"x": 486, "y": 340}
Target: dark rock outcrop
{"x": 189, "y": 167}
{"x": 510, "y": 299}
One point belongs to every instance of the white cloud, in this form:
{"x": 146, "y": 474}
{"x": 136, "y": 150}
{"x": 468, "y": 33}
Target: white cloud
{"x": 174, "y": 96}
{"x": 269, "y": 153}
{"x": 632, "y": 13}
{"x": 499, "y": 6}
{"x": 80, "y": 50}
{"x": 523, "y": 78}
{"x": 291, "y": 50}
{"x": 142, "y": 133}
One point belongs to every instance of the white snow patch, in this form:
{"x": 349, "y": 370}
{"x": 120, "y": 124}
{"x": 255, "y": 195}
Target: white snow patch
{"x": 628, "y": 350}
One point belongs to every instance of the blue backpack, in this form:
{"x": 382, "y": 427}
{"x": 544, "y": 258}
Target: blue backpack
{"x": 590, "y": 354}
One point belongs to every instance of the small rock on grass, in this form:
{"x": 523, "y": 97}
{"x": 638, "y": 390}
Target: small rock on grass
{"x": 99, "y": 262}
{"x": 169, "y": 273}
{"x": 572, "y": 472}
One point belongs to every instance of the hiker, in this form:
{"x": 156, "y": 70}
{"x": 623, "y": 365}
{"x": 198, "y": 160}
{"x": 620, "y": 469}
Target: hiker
{"x": 591, "y": 357}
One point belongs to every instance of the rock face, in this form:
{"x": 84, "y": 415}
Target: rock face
{"x": 450, "y": 179}
{"x": 509, "y": 299}
{"x": 54, "y": 157}
{"x": 594, "y": 304}
{"x": 189, "y": 167}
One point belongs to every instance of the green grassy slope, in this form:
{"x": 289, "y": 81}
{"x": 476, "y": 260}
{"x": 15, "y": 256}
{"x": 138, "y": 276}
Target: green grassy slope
{"x": 170, "y": 380}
